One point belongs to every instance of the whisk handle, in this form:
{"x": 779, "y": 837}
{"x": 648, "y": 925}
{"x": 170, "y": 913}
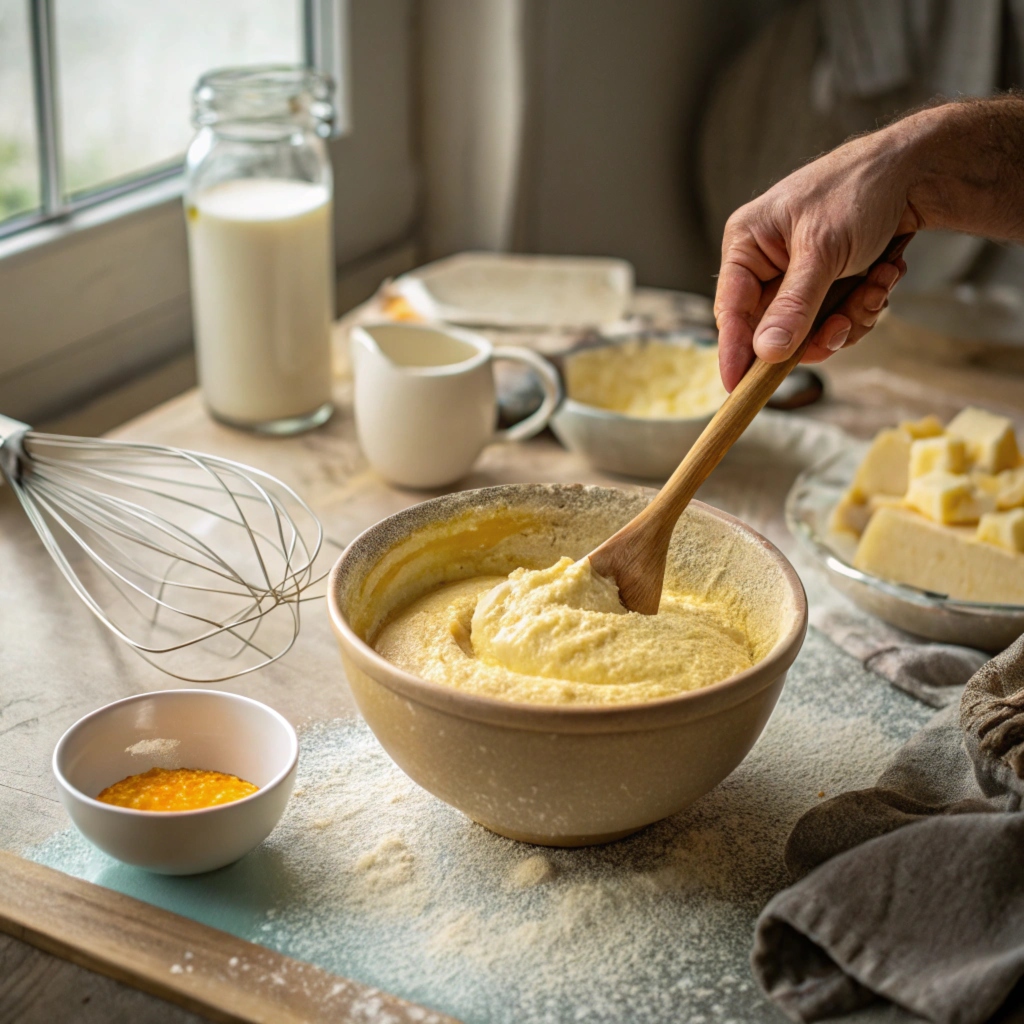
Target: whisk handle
{"x": 11, "y": 432}
{"x": 11, "y": 428}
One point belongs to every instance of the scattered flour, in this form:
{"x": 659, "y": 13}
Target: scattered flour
{"x": 532, "y": 871}
{"x": 386, "y": 876}
{"x": 372, "y": 878}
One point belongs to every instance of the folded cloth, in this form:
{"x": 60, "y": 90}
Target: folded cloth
{"x": 933, "y": 673}
{"x": 913, "y": 891}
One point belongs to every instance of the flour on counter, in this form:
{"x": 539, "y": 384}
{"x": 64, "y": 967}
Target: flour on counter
{"x": 535, "y": 870}
{"x": 371, "y": 877}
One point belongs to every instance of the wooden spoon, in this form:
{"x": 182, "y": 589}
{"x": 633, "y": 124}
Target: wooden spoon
{"x": 635, "y": 556}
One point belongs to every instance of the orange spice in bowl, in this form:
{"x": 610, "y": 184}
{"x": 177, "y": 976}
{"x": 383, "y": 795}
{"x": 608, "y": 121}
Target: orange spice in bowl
{"x": 176, "y": 789}
{"x": 191, "y": 728}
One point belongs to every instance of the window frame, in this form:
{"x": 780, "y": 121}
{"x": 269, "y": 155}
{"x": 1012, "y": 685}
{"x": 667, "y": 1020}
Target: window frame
{"x": 324, "y": 38}
{"x": 96, "y": 299}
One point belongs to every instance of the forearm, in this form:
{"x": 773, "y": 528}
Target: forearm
{"x": 964, "y": 166}
{"x": 957, "y": 167}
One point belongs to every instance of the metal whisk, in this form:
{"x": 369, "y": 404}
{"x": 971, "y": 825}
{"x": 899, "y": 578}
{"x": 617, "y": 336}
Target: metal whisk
{"x": 179, "y": 554}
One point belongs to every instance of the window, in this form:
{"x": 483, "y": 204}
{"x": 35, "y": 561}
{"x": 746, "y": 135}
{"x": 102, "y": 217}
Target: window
{"x": 96, "y": 93}
{"x": 97, "y": 296}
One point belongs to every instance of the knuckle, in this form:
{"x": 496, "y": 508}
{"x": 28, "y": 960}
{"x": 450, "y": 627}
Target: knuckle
{"x": 827, "y": 244}
{"x": 791, "y": 305}
{"x": 737, "y": 228}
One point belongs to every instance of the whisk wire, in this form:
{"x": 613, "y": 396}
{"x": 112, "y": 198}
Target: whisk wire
{"x": 199, "y": 548}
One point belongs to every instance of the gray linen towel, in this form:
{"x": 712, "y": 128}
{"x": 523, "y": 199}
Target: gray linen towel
{"x": 932, "y": 672}
{"x": 913, "y": 891}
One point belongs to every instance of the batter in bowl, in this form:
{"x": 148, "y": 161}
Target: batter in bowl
{"x": 561, "y": 636}
{"x": 651, "y": 379}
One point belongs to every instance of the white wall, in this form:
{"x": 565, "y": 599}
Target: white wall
{"x": 471, "y": 101}
{"x": 568, "y": 126}
{"x": 615, "y": 91}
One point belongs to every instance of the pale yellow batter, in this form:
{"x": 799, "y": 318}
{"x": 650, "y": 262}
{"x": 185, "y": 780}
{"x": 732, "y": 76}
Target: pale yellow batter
{"x": 651, "y": 379}
{"x": 561, "y": 636}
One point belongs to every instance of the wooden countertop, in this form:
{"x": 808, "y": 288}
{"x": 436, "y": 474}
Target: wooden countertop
{"x": 57, "y": 663}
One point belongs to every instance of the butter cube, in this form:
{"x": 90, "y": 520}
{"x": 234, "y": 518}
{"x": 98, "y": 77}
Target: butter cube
{"x": 948, "y": 498}
{"x": 937, "y": 454}
{"x": 927, "y": 426}
{"x": 1010, "y": 488}
{"x": 990, "y": 441}
{"x": 903, "y": 546}
{"x": 886, "y": 466}
{"x": 849, "y": 516}
{"x": 987, "y": 483}
{"x": 1004, "y": 529}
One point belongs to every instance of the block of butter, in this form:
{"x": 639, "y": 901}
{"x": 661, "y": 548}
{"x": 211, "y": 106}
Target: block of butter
{"x": 904, "y": 546}
{"x": 941, "y": 509}
{"x": 885, "y": 467}
{"x": 943, "y": 454}
{"x": 1010, "y": 493}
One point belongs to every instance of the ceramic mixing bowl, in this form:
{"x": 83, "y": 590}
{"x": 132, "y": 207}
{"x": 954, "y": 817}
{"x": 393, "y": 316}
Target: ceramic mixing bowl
{"x": 208, "y": 729}
{"x": 552, "y": 774}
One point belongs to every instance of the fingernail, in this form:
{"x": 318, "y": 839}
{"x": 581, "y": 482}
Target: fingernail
{"x": 775, "y": 339}
{"x": 837, "y": 341}
{"x": 887, "y": 275}
{"x": 873, "y": 304}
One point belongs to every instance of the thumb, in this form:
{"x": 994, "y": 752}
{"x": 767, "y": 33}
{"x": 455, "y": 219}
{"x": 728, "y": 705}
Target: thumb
{"x": 788, "y": 320}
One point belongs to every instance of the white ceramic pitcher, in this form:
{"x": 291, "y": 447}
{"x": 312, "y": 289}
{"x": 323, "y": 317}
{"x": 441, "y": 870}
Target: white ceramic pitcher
{"x": 425, "y": 402}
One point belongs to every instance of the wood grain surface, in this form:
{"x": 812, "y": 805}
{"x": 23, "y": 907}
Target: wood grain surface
{"x": 38, "y": 988}
{"x": 202, "y": 969}
{"x": 57, "y": 663}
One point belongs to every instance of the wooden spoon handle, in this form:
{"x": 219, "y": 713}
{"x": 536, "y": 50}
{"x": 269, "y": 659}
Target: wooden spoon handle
{"x": 749, "y": 397}
{"x": 635, "y": 556}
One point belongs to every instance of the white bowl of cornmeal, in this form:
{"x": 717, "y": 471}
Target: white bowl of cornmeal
{"x": 635, "y": 407}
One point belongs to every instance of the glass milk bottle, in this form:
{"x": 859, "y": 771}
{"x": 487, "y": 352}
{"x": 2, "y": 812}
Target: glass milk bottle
{"x": 258, "y": 210}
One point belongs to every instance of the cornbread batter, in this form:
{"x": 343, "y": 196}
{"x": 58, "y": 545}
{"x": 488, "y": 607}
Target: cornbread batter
{"x": 176, "y": 789}
{"x": 561, "y": 636}
{"x": 651, "y": 379}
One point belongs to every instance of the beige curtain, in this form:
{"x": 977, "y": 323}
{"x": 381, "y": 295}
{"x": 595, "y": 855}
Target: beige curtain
{"x": 472, "y": 117}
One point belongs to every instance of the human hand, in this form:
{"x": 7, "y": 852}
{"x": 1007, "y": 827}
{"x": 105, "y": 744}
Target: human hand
{"x": 781, "y": 252}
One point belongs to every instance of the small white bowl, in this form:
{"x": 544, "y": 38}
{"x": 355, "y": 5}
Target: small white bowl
{"x": 628, "y": 445}
{"x": 638, "y": 446}
{"x": 205, "y": 729}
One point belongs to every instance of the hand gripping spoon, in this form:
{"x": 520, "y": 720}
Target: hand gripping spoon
{"x": 635, "y": 556}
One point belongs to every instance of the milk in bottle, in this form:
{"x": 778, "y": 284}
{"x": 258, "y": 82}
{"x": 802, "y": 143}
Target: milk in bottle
{"x": 261, "y": 269}
{"x": 258, "y": 211}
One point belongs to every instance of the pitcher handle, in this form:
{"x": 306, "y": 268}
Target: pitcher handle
{"x": 550, "y": 382}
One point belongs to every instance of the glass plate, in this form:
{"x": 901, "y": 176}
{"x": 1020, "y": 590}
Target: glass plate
{"x": 809, "y": 505}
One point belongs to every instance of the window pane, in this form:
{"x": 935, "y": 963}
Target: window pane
{"x": 126, "y": 71}
{"x": 19, "y": 167}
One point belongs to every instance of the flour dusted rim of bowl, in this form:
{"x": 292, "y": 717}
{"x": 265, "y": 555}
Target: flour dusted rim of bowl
{"x": 583, "y": 718}
{"x": 132, "y": 812}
